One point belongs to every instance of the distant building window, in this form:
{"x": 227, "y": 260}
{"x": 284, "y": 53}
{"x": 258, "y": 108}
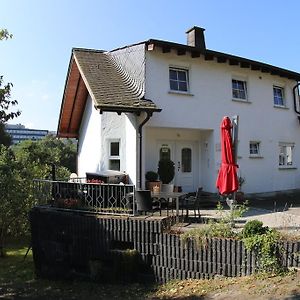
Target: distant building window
{"x": 114, "y": 155}
{"x": 179, "y": 80}
{"x": 278, "y": 95}
{"x": 286, "y": 154}
{"x": 254, "y": 148}
{"x": 239, "y": 89}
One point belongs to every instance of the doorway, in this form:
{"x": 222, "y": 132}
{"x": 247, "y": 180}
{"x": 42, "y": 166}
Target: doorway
{"x": 185, "y": 157}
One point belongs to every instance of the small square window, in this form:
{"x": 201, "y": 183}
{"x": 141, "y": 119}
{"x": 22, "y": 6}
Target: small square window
{"x": 178, "y": 80}
{"x": 278, "y": 96}
{"x": 254, "y": 148}
{"x": 239, "y": 89}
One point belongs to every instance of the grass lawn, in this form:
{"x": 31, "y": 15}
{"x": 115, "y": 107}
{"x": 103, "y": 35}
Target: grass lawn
{"x": 17, "y": 281}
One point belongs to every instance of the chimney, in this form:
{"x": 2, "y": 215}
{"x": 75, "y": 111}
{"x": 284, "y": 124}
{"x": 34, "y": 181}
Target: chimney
{"x": 195, "y": 37}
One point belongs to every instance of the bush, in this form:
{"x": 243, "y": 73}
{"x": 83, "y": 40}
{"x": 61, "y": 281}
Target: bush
{"x": 252, "y": 228}
{"x": 151, "y": 176}
{"x": 166, "y": 170}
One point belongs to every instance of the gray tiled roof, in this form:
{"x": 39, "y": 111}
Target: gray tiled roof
{"x": 106, "y": 83}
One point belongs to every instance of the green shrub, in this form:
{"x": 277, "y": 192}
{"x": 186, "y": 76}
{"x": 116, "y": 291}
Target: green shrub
{"x": 253, "y": 227}
{"x": 151, "y": 176}
{"x": 166, "y": 170}
{"x": 267, "y": 249}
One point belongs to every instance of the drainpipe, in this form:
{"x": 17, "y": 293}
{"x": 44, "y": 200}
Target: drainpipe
{"x": 140, "y": 136}
{"x": 295, "y": 98}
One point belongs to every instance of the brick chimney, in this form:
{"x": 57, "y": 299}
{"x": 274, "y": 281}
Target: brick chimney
{"x": 195, "y": 37}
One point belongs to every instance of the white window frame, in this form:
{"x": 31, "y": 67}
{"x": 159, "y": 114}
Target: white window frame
{"x": 257, "y": 146}
{"x": 282, "y": 94}
{"x": 114, "y": 157}
{"x": 239, "y": 91}
{"x": 286, "y": 155}
{"x": 178, "y": 90}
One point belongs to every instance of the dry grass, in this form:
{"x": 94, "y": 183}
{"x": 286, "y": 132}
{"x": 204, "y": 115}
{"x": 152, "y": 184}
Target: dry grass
{"x": 17, "y": 281}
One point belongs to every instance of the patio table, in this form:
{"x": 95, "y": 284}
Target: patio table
{"x": 169, "y": 196}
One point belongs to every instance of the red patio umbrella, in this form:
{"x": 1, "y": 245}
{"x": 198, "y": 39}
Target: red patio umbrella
{"x": 227, "y": 181}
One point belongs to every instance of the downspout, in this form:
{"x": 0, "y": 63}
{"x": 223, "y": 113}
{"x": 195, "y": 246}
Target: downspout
{"x": 295, "y": 99}
{"x": 140, "y": 137}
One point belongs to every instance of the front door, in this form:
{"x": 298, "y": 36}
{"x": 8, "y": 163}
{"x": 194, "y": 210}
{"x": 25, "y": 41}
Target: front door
{"x": 185, "y": 159}
{"x": 185, "y": 166}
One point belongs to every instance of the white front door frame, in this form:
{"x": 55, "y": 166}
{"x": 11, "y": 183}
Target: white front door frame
{"x": 185, "y": 178}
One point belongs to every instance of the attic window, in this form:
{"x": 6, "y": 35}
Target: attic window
{"x": 179, "y": 79}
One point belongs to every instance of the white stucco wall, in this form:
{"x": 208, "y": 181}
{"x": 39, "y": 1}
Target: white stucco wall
{"x": 120, "y": 128}
{"x": 96, "y": 132}
{"x": 89, "y": 142}
{"x": 210, "y": 99}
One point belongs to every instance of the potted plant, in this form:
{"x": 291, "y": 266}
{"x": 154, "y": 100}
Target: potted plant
{"x": 166, "y": 172}
{"x": 152, "y": 181}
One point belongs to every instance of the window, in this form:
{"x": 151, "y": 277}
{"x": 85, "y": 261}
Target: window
{"x": 179, "y": 80}
{"x": 286, "y": 154}
{"x": 239, "y": 89}
{"x": 114, "y": 155}
{"x": 165, "y": 152}
{"x": 186, "y": 160}
{"x": 278, "y": 94}
{"x": 254, "y": 148}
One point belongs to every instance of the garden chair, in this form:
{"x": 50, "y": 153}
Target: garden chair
{"x": 192, "y": 202}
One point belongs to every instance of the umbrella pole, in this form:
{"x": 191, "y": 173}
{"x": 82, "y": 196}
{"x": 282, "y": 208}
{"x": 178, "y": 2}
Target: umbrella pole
{"x": 235, "y": 127}
{"x": 235, "y": 131}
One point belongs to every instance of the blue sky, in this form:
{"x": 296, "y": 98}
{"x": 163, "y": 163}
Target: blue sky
{"x": 37, "y": 58}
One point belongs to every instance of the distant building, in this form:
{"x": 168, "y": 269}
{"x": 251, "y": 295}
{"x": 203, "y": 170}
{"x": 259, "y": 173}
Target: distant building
{"x": 19, "y": 133}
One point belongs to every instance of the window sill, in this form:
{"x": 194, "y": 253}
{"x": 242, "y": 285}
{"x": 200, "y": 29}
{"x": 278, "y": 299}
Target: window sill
{"x": 255, "y": 156}
{"x": 180, "y": 93}
{"x": 280, "y": 107}
{"x": 241, "y": 100}
{"x": 287, "y": 168}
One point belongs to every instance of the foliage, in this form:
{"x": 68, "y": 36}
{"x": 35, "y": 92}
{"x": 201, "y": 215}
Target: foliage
{"x": 5, "y": 138}
{"x": 5, "y": 35}
{"x": 166, "y": 170}
{"x": 14, "y": 198}
{"x": 6, "y": 103}
{"x": 19, "y": 165}
{"x": 213, "y": 230}
{"x": 252, "y": 228}
{"x": 151, "y": 176}
{"x": 267, "y": 249}
{"x": 37, "y": 157}
{"x": 237, "y": 211}
{"x": 216, "y": 229}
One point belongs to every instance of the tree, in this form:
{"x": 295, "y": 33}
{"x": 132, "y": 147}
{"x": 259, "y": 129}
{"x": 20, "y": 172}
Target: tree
{"x": 19, "y": 165}
{"x": 4, "y": 34}
{"x": 14, "y": 202}
{"x": 5, "y": 138}
{"x": 5, "y": 102}
{"x": 37, "y": 157}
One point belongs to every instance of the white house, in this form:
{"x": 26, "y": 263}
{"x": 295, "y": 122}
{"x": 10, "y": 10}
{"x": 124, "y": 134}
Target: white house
{"x": 132, "y": 105}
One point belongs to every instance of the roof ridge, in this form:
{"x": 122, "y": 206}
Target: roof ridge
{"x": 88, "y": 50}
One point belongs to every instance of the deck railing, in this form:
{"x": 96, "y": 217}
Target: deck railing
{"x": 103, "y": 198}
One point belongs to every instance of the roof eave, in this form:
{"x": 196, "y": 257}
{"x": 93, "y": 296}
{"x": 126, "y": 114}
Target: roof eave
{"x": 223, "y": 57}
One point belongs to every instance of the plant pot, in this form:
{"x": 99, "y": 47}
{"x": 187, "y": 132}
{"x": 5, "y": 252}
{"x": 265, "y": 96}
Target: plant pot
{"x": 151, "y": 184}
{"x": 167, "y": 188}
